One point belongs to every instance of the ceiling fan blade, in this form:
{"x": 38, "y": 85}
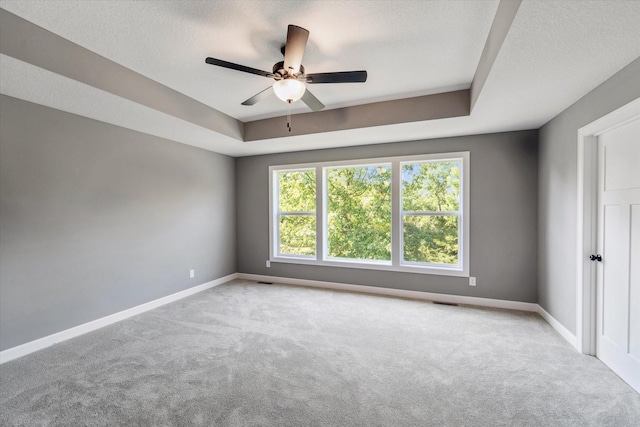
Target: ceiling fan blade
{"x": 338, "y": 77}
{"x": 311, "y": 101}
{"x": 238, "y": 67}
{"x": 259, "y": 96}
{"x": 294, "y": 49}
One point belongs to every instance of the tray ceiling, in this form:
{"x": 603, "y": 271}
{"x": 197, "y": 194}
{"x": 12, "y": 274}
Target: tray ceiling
{"x": 554, "y": 53}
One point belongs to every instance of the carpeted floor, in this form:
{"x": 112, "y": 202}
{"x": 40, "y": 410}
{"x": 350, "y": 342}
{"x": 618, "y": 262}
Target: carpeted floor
{"x": 253, "y": 354}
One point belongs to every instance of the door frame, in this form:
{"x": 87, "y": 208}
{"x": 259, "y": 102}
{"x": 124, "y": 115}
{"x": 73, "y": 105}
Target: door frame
{"x": 587, "y": 221}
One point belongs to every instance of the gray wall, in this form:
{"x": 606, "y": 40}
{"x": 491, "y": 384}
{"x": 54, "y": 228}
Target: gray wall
{"x": 95, "y": 219}
{"x": 558, "y": 201}
{"x": 504, "y": 191}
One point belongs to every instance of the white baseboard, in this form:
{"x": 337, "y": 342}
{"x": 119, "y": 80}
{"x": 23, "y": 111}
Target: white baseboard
{"x": 39, "y": 344}
{"x": 401, "y": 293}
{"x": 564, "y": 332}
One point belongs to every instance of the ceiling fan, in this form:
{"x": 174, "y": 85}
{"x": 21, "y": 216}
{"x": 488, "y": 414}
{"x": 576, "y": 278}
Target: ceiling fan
{"x": 289, "y": 75}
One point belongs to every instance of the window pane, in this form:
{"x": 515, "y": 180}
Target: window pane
{"x": 297, "y": 191}
{"x": 432, "y": 186}
{"x": 431, "y": 239}
{"x": 297, "y": 235}
{"x": 359, "y": 212}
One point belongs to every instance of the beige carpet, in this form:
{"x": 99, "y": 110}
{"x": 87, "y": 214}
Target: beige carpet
{"x": 253, "y": 354}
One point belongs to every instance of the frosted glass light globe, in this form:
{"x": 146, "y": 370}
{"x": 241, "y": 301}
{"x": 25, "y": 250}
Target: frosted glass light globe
{"x": 289, "y": 90}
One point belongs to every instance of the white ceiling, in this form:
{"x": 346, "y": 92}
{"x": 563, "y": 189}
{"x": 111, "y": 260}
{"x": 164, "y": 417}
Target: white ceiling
{"x": 555, "y": 52}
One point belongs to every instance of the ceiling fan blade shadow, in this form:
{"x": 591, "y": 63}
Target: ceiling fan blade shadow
{"x": 338, "y": 77}
{"x": 294, "y": 49}
{"x": 237, "y": 67}
{"x": 259, "y": 96}
{"x": 311, "y": 101}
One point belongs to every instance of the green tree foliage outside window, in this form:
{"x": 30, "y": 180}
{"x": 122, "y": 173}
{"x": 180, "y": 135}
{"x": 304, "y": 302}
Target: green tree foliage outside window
{"x": 431, "y": 208}
{"x": 359, "y": 212}
{"x": 296, "y": 212}
{"x": 358, "y": 222}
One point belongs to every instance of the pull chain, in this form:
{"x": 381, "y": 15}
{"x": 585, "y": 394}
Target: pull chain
{"x": 289, "y": 115}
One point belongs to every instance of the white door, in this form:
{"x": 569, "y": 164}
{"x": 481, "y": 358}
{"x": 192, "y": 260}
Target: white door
{"x": 618, "y": 273}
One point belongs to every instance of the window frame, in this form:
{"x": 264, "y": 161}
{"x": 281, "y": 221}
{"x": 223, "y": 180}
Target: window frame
{"x": 325, "y": 213}
{"x": 397, "y": 263}
{"x": 459, "y": 214}
{"x": 277, "y": 214}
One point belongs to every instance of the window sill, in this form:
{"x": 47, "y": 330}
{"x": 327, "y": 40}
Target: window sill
{"x": 372, "y": 265}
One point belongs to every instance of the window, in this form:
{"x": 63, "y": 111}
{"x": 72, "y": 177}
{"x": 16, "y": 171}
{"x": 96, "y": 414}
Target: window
{"x": 296, "y": 213}
{"x": 359, "y": 212}
{"x": 401, "y": 214}
{"x": 431, "y": 212}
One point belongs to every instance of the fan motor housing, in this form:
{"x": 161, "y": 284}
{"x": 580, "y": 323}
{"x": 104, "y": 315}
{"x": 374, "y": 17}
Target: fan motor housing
{"x": 280, "y": 73}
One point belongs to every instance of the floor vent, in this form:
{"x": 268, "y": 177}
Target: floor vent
{"x": 445, "y": 303}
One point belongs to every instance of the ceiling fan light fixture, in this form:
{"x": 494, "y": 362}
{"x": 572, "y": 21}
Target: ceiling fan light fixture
{"x": 289, "y": 90}
{"x": 291, "y": 80}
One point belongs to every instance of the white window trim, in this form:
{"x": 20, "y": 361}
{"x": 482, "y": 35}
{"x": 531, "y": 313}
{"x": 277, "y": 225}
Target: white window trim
{"x": 396, "y": 263}
{"x": 459, "y": 213}
{"x": 274, "y": 229}
{"x": 325, "y": 194}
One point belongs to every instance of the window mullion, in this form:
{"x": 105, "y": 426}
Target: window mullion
{"x": 320, "y": 216}
{"x": 396, "y": 219}
{"x": 431, "y": 213}
{"x": 297, "y": 213}
{"x": 274, "y": 208}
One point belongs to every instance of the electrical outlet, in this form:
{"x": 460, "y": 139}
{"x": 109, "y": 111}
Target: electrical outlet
{"x": 192, "y": 274}
{"x": 472, "y": 281}
{"x": 268, "y": 264}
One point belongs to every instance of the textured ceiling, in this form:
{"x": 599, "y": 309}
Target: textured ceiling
{"x": 555, "y": 52}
